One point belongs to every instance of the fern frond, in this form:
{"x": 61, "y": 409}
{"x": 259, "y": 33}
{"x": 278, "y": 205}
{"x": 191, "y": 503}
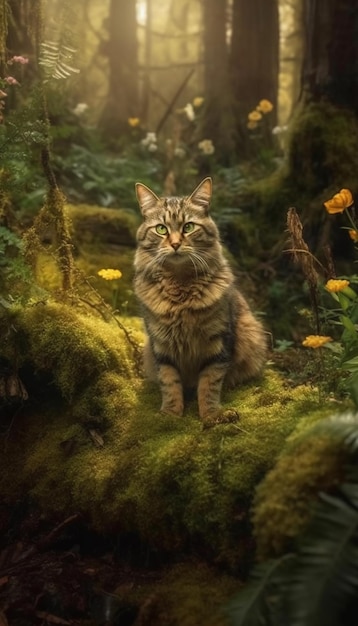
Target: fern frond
{"x": 54, "y": 58}
{"x": 343, "y": 426}
{"x": 324, "y": 579}
{"x": 260, "y": 599}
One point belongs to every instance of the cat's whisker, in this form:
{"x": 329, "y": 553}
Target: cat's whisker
{"x": 202, "y": 263}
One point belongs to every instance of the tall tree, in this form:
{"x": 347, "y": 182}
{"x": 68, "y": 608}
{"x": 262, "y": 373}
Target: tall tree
{"x": 219, "y": 115}
{"x": 331, "y": 60}
{"x": 122, "y": 53}
{"x": 254, "y": 58}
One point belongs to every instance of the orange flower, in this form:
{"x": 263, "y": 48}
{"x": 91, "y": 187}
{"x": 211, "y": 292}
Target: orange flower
{"x": 133, "y": 121}
{"x": 315, "y": 341}
{"x": 353, "y": 234}
{"x": 251, "y": 124}
{"x": 265, "y": 106}
{"x": 254, "y": 116}
{"x": 334, "y": 284}
{"x": 339, "y": 202}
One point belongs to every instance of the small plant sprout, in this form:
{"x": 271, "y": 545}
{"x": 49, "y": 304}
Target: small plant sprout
{"x": 114, "y": 275}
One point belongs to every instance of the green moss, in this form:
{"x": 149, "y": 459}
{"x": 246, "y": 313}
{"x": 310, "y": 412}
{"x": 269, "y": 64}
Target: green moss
{"x": 102, "y": 238}
{"x": 162, "y": 477}
{"x": 69, "y": 348}
{"x": 312, "y": 462}
{"x": 190, "y": 594}
{"x": 93, "y": 223}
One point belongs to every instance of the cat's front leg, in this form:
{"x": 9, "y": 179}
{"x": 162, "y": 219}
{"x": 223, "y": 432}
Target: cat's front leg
{"x": 209, "y": 395}
{"x": 172, "y": 390}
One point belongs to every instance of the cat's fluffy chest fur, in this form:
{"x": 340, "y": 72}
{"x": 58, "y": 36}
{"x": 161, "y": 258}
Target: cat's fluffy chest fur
{"x": 200, "y": 329}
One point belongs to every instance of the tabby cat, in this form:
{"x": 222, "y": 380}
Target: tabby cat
{"x": 201, "y": 331}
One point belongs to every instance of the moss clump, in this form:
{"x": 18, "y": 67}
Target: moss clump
{"x": 67, "y": 348}
{"x": 93, "y": 224}
{"x": 312, "y": 462}
{"x": 102, "y": 238}
{"x": 189, "y": 594}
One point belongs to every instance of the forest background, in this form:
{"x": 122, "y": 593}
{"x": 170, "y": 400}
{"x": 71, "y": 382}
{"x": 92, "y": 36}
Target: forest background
{"x": 261, "y": 96}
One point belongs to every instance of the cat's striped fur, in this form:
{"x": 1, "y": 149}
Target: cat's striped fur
{"x": 201, "y": 331}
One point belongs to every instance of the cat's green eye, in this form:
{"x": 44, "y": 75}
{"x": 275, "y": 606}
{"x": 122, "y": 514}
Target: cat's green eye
{"x": 188, "y": 227}
{"x": 161, "y": 229}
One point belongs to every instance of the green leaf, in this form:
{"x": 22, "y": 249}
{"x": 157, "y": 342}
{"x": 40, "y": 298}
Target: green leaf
{"x": 351, "y": 364}
{"x": 256, "y": 600}
{"x": 344, "y": 301}
{"x": 348, "y": 324}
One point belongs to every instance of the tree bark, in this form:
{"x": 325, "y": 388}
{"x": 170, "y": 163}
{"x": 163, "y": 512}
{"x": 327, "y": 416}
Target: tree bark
{"x": 121, "y": 49}
{"x": 331, "y": 61}
{"x": 254, "y": 58}
{"x": 218, "y": 124}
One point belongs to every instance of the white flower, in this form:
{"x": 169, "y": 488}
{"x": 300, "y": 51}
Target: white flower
{"x": 150, "y": 138}
{"x": 179, "y": 152}
{"x": 189, "y": 110}
{"x": 80, "y": 108}
{"x": 206, "y": 146}
{"x": 152, "y": 147}
{"x": 278, "y": 130}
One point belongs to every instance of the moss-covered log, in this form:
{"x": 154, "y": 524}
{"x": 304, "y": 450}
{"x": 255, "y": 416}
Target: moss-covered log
{"x": 161, "y": 477}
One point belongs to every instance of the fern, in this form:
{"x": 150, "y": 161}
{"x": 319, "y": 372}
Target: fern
{"x": 324, "y": 580}
{"x": 55, "y": 59}
{"x": 260, "y": 600}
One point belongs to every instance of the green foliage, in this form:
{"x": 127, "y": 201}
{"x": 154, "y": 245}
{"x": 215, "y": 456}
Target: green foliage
{"x": 15, "y": 273}
{"x": 102, "y": 179}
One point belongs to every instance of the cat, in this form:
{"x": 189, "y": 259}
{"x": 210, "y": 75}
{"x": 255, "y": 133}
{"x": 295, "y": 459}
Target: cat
{"x": 201, "y": 330}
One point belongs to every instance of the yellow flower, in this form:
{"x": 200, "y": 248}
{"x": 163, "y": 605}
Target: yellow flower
{"x": 339, "y": 202}
{"x": 265, "y": 106}
{"x": 110, "y": 274}
{"x": 315, "y": 341}
{"x": 251, "y": 125}
{"x": 254, "y": 116}
{"x": 333, "y": 285}
{"x": 198, "y": 101}
{"x": 133, "y": 121}
{"x": 353, "y": 234}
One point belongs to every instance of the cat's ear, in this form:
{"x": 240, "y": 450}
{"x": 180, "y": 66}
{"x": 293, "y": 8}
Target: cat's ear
{"x": 146, "y": 197}
{"x": 202, "y": 194}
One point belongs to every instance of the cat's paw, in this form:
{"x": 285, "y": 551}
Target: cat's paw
{"x": 223, "y": 416}
{"x": 177, "y": 412}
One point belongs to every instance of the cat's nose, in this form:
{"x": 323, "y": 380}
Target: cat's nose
{"x": 175, "y": 246}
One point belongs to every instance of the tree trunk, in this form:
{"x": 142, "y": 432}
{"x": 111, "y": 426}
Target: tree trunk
{"x": 254, "y": 58}
{"x": 331, "y": 63}
{"x": 121, "y": 49}
{"x": 218, "y": 124}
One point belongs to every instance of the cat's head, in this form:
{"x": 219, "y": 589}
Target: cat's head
{"x": 178, "y": 231}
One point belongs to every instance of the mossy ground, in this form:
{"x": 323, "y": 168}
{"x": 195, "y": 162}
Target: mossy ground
{"x": 164, "y": 478}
